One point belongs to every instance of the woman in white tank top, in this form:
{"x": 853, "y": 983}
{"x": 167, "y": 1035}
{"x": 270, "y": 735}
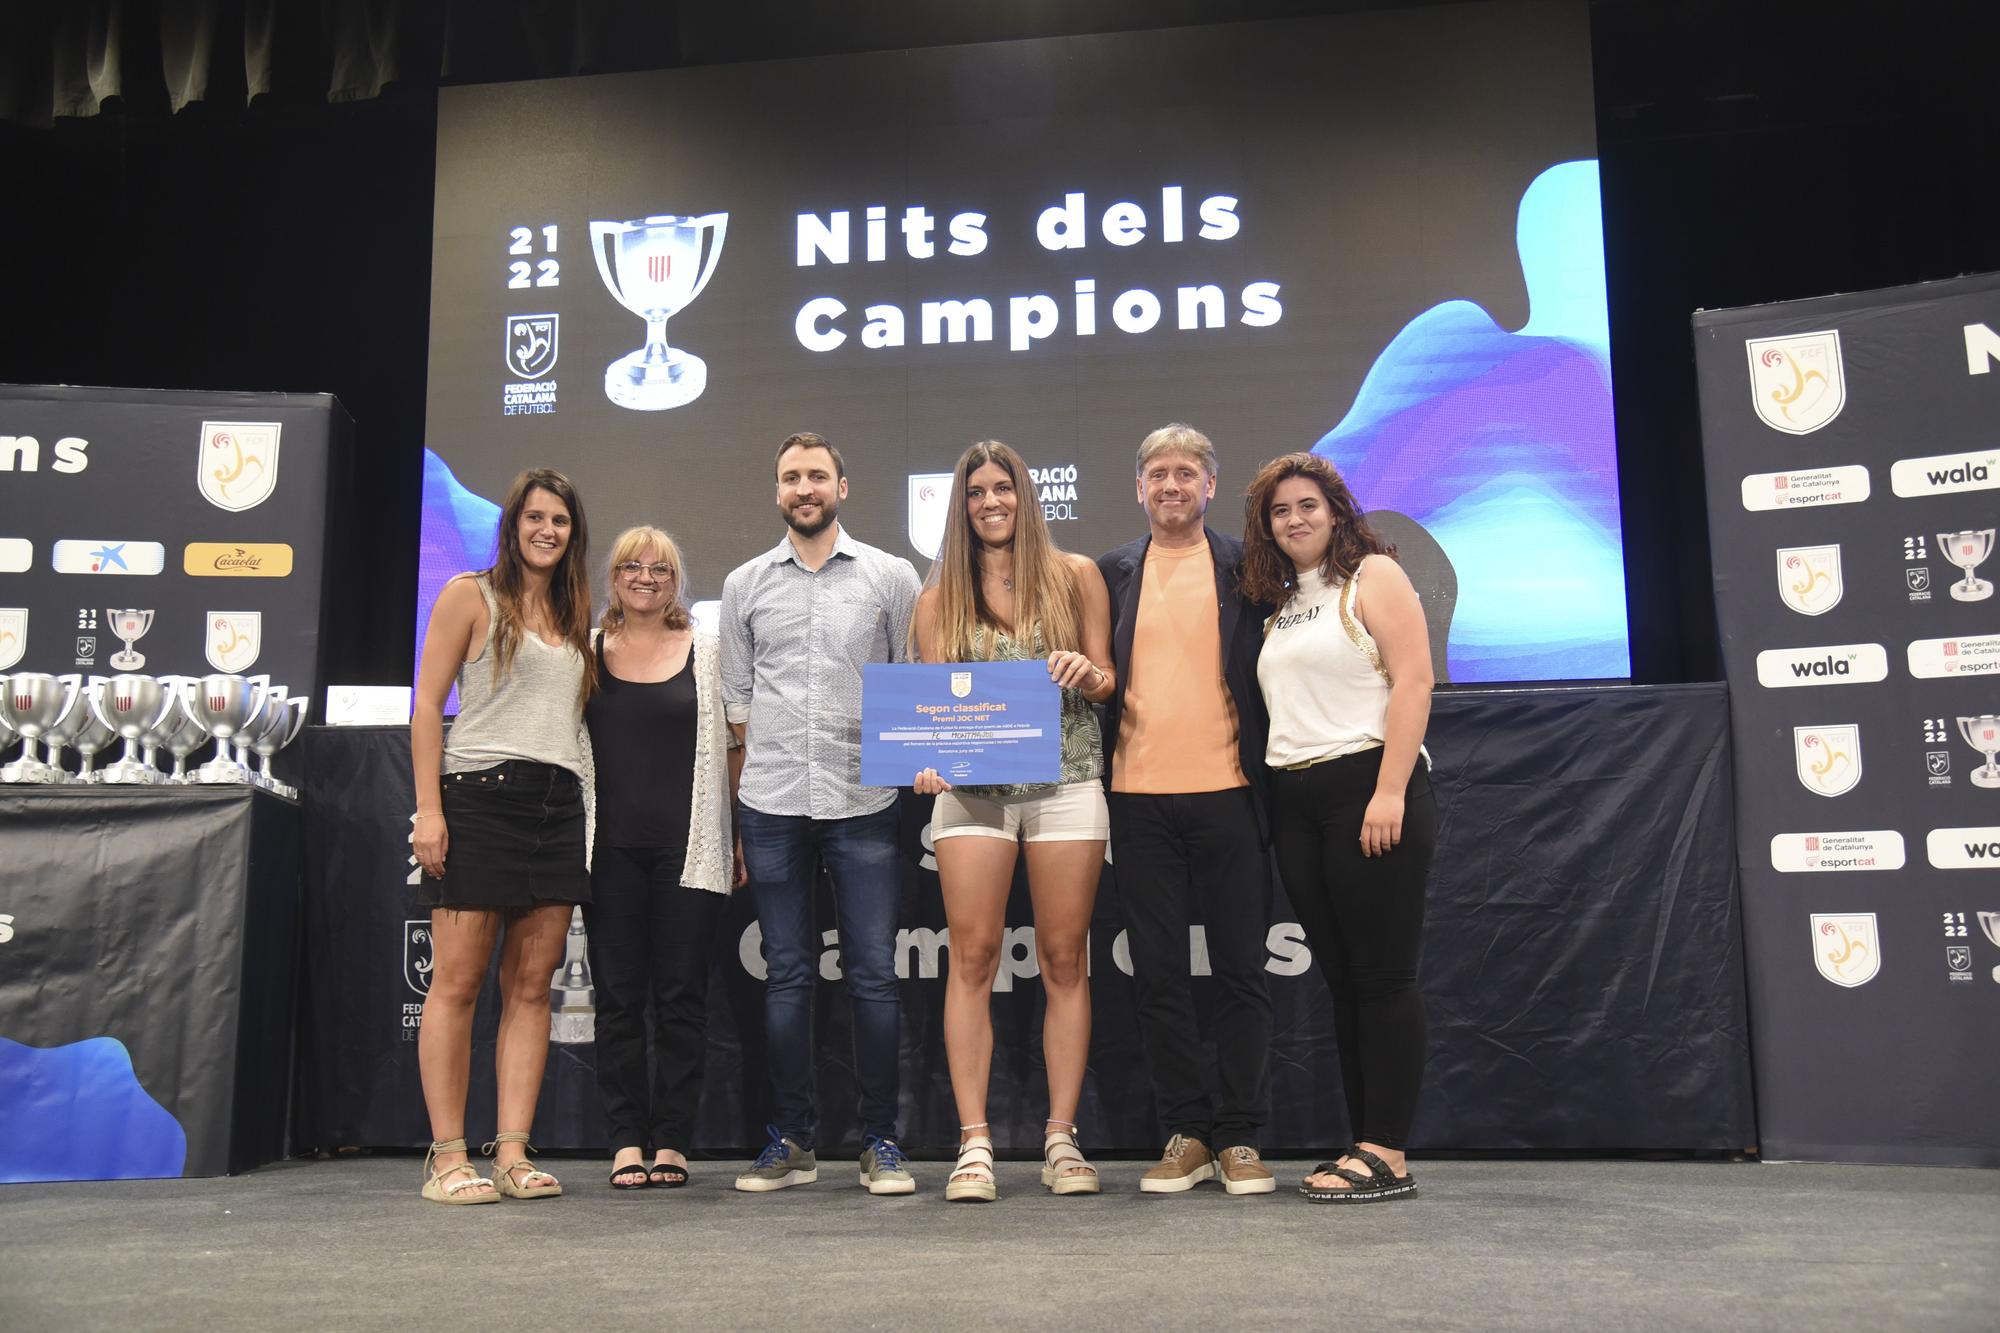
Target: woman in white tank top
{"x": 1346, "y": 675}
{"x": 501, "y": 828}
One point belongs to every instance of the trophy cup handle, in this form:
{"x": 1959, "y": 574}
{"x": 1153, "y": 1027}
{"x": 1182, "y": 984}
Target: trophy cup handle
{"x": 167, "y": 697}
{"x": 599, "y": 232}
{"x": 74, "y": 683}
{"x": 719, "y": 225}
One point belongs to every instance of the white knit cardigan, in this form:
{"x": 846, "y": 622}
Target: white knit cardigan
{"x": 710, "y": 863}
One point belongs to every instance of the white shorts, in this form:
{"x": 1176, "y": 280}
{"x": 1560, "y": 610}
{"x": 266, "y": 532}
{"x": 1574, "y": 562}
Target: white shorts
{"x": 1073, "y": 812}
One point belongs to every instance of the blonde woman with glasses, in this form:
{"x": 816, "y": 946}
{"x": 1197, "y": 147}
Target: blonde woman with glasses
{"x": 663, "y": 863}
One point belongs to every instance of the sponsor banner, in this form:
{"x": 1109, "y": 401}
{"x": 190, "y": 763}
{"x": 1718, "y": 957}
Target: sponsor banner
{"x": 1964, "y": 848}
{"x": 171, "y": 484}
{"x": 1815, "y": 853}
{"x": 74, "y": 556}
{"x": 1973, "y": 655}
{"x": 1834, "y": 664}
{"x": 247, "y": 560}
{"x": 1862, "y": 407}
{"x": 1806, "y": 489}
{"x": 1945, "y": 474}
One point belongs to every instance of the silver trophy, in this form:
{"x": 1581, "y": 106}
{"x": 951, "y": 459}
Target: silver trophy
{"x": 180, "y": 737}
{"x": 35, "y": 704}
{"x": 271, "y": 715}
{"x": 1989, "y": 924}
{"x": 131, "y": 626}
{"x": 7, "y": 733}
{"x": 279, "y": 728}
{"x": 1982, "y": 733}
{"x": 572, "y": 998}
{"x": 654, "y": 267}
{"x": 91, "y": 732}
{"x": 136, "y": 708}
{"x": 1967, "y": 550}
{"x": 221, "y": 706}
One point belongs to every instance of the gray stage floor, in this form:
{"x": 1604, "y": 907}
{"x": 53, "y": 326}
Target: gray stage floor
{"x": 1485, "y": 1245}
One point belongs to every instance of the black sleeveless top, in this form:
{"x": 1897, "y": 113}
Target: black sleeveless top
{"x": 642, "y": 738}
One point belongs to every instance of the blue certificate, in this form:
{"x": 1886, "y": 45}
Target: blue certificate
{"x": 974, "y": 722}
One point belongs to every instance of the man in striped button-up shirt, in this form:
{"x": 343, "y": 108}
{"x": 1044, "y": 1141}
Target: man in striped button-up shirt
{"x": 798, "y": 623}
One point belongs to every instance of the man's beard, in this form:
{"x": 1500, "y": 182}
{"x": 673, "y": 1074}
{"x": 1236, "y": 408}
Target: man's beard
{"x": 813, "y": 528}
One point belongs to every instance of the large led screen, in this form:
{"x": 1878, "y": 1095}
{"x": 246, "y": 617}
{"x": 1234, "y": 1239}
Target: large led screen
{"x": 1375, "y": 235}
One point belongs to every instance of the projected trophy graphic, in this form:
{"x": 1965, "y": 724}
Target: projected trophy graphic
{"x": 1968, "y": 550}
{"x": 131, "y": 626}
{"x": 1982, "y": 733}
{"x": 572, "y": 997}
{"x": 655, "y": 267}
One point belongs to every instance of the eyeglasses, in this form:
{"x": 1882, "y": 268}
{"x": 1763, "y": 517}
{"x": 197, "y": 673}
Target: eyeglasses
{"x": 632, "y": 569}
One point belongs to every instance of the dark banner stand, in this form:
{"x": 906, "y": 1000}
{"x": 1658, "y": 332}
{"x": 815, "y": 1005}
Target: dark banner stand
{"x": 1853, "y": 493}
{"x": 147, "y": 987}
{"x": 1583, "y": 963}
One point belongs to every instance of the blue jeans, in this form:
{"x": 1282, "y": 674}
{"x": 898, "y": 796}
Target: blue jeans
{"x": 860, "y": 852}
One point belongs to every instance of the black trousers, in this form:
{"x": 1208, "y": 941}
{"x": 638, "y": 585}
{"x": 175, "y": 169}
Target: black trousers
{"x": 651, "y": 943}
{"x": 1364, "y": 921}
{"x": 1172, "y": 856}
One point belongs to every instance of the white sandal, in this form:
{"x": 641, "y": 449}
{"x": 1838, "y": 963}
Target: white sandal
{"x": 972, "y": 1179}
{"x": 440, "y": 1188}
{"x": 1060, "y": 1157}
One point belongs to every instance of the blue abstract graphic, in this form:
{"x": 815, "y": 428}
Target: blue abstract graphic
{"x": 460, "y": 531}
{"x": 78, "y": 1112}
{"x": 1501, "y": 445}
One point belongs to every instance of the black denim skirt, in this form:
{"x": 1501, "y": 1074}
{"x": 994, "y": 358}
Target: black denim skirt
{"x": 514, "y": 838}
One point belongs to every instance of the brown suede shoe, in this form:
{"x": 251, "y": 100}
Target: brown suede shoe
{"x": 1243, "y": 1172}
{"x": 1186, "y": 1163}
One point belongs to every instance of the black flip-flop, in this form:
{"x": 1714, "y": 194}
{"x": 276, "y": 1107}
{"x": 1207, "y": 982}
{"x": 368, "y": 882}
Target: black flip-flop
{"x": 620, "y": 1177}
{"x": 667, "y": 1175}
{"x": 1380, "y": 1183}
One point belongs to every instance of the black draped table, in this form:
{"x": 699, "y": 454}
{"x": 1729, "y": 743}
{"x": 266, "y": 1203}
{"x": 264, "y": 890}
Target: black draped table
{"x": 1582, "y": 962}
{"x": 148, "y": 966}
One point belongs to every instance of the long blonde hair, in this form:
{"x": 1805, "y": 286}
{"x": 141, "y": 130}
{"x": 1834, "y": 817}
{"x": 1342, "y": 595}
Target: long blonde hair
{"x": 626, "y": 547}
{"x": 1045, "y": 588}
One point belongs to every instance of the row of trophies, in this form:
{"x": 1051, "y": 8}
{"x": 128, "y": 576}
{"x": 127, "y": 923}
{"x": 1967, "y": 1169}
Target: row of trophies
{"x": 244, "y": 716}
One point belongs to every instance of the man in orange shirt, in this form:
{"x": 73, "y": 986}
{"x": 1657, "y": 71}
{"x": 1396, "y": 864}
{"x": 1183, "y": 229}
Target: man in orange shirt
{"x": 1185, "y": 734}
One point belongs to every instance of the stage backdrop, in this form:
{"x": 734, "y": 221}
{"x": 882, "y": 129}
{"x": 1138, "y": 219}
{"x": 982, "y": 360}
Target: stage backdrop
{"x": 1580, "y": 1000}
{"x": 1853, "y": 492}
{"x": 1376, "y": 235}
{"x": 206, "y": 513}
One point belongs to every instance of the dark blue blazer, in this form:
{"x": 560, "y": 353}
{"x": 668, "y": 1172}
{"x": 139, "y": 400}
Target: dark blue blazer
{"x": 1242, "y": 626}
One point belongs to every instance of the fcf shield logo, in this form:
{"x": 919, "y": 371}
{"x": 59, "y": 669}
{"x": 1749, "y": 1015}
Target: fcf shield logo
{"x": 1829, "y": 758}
{"x": 1796, "y": 383}
{"x": 961, "y": 684}
{"x": 1958, "y": 957}
{"x": 930, "y": 497}
{"x": 234, "y": 639}
{"x": 13, "y": 634}
{"x": 238, "y": 464}
{"x": 1845, "y": 948}
{"x": 418, "y": 957}
{"x": 531, "y": 345}
{"x": 1809, "y": 578}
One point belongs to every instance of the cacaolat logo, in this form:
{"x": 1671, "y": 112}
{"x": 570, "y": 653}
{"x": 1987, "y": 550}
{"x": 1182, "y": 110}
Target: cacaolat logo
{"x": 243, "y": 560}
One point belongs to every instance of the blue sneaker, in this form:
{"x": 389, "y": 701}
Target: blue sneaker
{"x": 884, "y": 1169}
{"x": 783, "y": 1163}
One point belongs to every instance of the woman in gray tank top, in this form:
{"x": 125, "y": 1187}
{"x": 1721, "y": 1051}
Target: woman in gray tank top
{"x": 501, "y": 824}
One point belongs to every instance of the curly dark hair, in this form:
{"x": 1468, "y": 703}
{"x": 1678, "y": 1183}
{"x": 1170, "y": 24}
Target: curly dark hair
{"x": 1268, "y": 574}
